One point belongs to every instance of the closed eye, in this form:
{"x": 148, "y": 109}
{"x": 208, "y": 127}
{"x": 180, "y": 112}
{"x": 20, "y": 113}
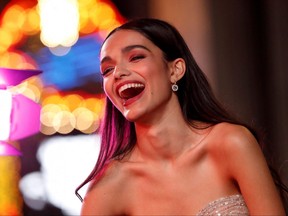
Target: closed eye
{"x": 107, "y": 70}
{"x": 136, "y": 58}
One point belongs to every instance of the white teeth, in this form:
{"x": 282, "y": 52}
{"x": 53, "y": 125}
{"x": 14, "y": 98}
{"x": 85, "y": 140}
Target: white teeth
{"x": 130, "y": 85}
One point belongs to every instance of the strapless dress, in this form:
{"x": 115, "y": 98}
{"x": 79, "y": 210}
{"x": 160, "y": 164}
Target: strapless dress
{"x": 230, "y": 205}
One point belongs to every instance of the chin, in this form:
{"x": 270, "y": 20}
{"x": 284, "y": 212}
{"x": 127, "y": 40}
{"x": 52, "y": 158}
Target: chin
{"x": 132, "y": 116}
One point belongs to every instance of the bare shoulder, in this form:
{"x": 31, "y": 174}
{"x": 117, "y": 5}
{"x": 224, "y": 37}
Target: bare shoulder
{"x": 232, "y": 130}
{"x": 234, "y": 148}
{"x": 230, "y": 137}
{"x": 237, "y": 151}
{"x": 104, "y": 191}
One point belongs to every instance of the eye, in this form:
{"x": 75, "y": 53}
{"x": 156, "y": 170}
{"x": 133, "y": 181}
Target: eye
{"x": 107, "y": 70}
{"x": 136, "y": 58}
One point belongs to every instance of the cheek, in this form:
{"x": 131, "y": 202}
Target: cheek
{"x": 108, "y": 89}
{"x": 104, "y": 84}
{"x": 107, "y": 85}
{"x": 162, "y": 90}
{"x": 161, "y": 79}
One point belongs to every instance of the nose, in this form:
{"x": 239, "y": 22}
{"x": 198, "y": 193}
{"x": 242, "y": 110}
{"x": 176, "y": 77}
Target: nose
{"x": 120, "y": 71}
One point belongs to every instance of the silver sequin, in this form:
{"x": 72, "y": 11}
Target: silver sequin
{"x": 230, "y": 205}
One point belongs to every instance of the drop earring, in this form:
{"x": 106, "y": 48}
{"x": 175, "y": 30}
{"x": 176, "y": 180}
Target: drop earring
{"x": 175, "y": 87}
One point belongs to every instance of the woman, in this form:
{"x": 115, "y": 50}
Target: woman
{"x": 168, "y": 147}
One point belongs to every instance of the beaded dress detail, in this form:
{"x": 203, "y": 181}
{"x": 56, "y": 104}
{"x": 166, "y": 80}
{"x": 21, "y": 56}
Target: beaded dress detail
{"x": 230, "y": 205}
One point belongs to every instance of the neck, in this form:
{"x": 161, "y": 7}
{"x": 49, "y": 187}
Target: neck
{"x": 164, "y": 135}
{"x": 164, "y": 141}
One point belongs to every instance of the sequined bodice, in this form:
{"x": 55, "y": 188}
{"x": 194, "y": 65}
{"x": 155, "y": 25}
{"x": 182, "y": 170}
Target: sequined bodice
{"x": 230, "y": 205}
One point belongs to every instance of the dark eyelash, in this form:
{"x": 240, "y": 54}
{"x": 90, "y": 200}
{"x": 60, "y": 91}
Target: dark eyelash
{"x": 106, "y": 71}
{"x": 134, "y": 58}
{"x": 137, "y": 57}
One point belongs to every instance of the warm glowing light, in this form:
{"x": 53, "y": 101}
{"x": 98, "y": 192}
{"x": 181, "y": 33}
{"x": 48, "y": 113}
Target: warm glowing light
{"x": 59, "y": 22}
{"x": 63, "y": 114}
{"x": 47, "y": 114}
{"x": 19, "y": 88}
{"x": 102, "y": 15}
{"x": 10, "y": 197}
{"x": 57, "y": 118}
{"x": 64, "y": 122}
{"x": 52, "y": 99}
{"x": 60, "y": 114}
{"x": 86, "y": 25}
{"x": 17, "y": 60}
{"x": 5, "y": 114}
{"x": 31, "y": 25}
{"x": 14, "y": 17}
{"x": 84, "y": 118}
{"x": 73, "y": 101}
{"x": 31, "y": 88}
{"x": 13, "y": 21}
{"x": 47, "y": 130}
{"x": 6, "y": 39}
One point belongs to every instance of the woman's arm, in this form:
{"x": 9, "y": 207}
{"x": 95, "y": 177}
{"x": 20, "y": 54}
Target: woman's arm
{"x": 246, "y": 164}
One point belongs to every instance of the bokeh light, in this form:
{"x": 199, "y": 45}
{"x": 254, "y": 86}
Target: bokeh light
{"x": 73, "y": 42}
{"x": 59, "y": 22}
{"x": 63, "y": 114}
{"x": 10, "y": 197}
{"x": 22, "y": 19}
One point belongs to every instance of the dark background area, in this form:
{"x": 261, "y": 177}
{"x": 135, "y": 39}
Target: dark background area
{"x": 250, "y": 51}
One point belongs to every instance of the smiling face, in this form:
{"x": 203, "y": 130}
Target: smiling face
{"x": 136, "y": 77}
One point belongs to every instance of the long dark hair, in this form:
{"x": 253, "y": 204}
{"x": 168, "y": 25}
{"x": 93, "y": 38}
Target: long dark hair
{"x": 195, "y": 95}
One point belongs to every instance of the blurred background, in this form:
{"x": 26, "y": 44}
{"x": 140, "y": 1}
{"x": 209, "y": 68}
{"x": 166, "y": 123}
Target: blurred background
{"x": 240, "y": 45}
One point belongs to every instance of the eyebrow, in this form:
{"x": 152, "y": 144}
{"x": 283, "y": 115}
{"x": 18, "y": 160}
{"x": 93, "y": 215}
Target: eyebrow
{"x": 125, "y": 50}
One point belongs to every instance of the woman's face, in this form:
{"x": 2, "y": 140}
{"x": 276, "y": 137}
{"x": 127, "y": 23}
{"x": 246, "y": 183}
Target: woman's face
{"x": 136, "y": 77}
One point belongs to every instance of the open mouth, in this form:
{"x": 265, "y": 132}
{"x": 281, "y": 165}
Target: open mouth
{"x": 130, "y": 90}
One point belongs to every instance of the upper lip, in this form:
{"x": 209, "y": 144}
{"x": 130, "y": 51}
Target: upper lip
{"x": 125, "y": 83}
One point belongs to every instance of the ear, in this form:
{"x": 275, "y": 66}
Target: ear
{"x": 178, "y": 68}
